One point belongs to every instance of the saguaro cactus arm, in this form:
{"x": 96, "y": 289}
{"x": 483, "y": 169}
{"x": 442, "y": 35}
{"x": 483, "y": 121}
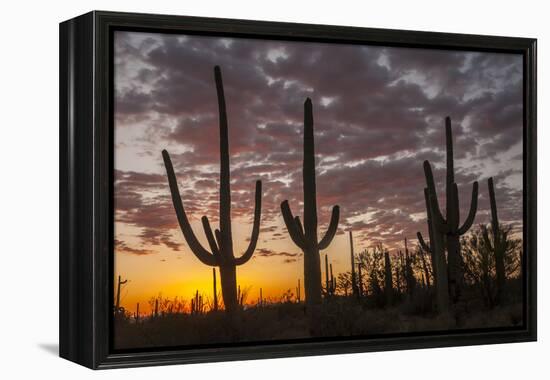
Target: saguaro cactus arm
{"x": 426, "y": 247}
{"x": 438, "y": 219}
{"x": 299, "y": 225}
{"x": 332, "y": 228}
{"x": 294, "y": 230}
{"x": 210, "y": 236}
{"x": 422, "y": 242}
{"x": 494, "y": 214}
{"x": 200, "y": 252}
{"x": 494, "y": 221}
{"x": 255, "y": 227}
{"x": 472, "y": 213}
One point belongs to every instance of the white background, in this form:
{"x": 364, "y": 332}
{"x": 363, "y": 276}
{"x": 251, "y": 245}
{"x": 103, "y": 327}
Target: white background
{"x": 29, "y": 187}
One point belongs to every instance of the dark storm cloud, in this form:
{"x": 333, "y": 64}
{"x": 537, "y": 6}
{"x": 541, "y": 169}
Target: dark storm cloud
{"x": 379, "y": 112}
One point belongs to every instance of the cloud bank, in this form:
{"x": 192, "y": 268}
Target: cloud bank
{"x": 378, "y": 111}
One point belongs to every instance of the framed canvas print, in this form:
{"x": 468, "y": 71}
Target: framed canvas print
{"x": 238, "y": 189}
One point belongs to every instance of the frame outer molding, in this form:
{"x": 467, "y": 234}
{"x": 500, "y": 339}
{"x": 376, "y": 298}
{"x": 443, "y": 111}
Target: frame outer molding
{"x": 76, "y": 340}
{"x": 86, "y": 186}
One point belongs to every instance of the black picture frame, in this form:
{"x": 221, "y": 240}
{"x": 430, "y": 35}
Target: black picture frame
{"x": 86, "y": 186}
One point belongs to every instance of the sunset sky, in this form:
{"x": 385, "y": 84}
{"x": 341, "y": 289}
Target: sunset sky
{"x": 378, "y": 111}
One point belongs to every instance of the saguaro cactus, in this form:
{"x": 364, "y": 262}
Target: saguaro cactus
{"x": 330, "y": 285}
{"x": 398, "y": 272}
{"x": 221, "y": 244}
{"x": 426, "y": 274}
{"x": 409, "y": 274}
{"x": 388, "y": 280}
{"x": 449, "y": 226}
{"x": 240, "y": 297}
{"x": 359, "y": 279}
{"x": 354, "y": 287}
{"x": 332, "y": 282}
{"x": 327, "y": 277}
{"x": 215, "y": 305}
{"x": 119, "y": 284}
{"x": 306, "y": 237}
{"x": 197, "y": 304}
{"x": 436, "y": 249}
{"x": 498, "y": 245}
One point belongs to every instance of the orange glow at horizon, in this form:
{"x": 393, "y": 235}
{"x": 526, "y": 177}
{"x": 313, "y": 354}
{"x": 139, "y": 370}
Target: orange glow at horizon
{"x": 180, "y": 274}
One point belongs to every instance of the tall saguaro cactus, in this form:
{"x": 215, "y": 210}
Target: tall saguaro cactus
{"x": 388, "y": 280}
{"x": 306, "y": 237}
{"x": 354, "y": 287}
{"x": 221, "y": 243}
{"x": 498, "y": 245}
{"x": 436, "y": 249}
{"x": 215, "y": 290}
{"x": 449, "y": 226}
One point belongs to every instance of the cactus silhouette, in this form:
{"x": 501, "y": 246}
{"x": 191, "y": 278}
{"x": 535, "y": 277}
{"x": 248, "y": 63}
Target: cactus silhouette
{"x": 436, "y": 249}
{"x": 215, "y": 301}
{"x": 398, "y": 272}
{"x": 332, "y": 282}
{"x": 498, "y": 245}
{"x": 330, "y": 285}
{"x": 354, "y": 287}
{"x": 359, "y": 279}
{"x": 197, "y": 304}
{"x": 221, "y": 244}
{"x": 240, "y": 297}
{"x": 120, "y": 282}
{"x": 449, "y": 225}
{"x": 388, "y": 280}
{"x": 426, "y": 272}
{"x": 409, "y": 274}
{"x": 327, "y": 277}
{"x": 306, "y": 237}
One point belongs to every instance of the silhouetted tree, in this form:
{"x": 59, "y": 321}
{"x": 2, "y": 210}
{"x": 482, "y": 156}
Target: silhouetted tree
{"x": 343, "y": 283}
{"x": 480, "y": 262}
